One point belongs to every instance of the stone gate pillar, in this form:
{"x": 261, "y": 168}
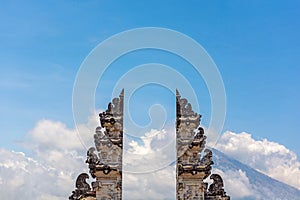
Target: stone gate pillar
{"x": 194, "y": 161}
{"x": 105, "y": 161}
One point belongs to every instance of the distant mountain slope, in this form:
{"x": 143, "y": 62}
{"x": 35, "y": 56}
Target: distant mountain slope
{"x": 263, "y": 186}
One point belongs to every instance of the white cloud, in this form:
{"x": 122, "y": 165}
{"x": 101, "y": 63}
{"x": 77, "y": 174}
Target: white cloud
{"x": 268, "y": 157}
{"x": 155, "y": 151}
{"x": 146, "y": 165}
{"x": 154, "y": 185}
{"x": 25, "y": 177}
{"x": 58, "y": 157}
{"x": 49, "y": 134}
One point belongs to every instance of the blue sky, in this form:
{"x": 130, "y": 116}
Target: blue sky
{"x": 254, "y": 44}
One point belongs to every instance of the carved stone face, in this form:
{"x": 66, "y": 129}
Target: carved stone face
{"x": 98, "y": 130}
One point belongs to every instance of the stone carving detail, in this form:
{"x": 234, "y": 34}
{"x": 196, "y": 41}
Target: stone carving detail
{"x": 190, "y": 191}
{"x": 105, "y": 159}
{"x": 112, "y": 120}
{"x": 216, "y": 189}
{"x": 83, "y": 189}
{"x": 194, "y": 161}
{"x": 108, "y": 189}
{"x": 92, "y": 157}
{"x": 109, "y": 155}
{"x": 190, "y": 144}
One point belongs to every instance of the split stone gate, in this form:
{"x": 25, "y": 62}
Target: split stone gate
{"x": 193, "y": 166}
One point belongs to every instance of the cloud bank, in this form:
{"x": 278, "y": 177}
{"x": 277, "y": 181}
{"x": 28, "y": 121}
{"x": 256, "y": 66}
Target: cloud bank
{"x": 270, "y": 158}
{"x": 58, "y": 156}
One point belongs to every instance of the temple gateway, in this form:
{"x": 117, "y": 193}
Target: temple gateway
{"x": 194, "y": 161}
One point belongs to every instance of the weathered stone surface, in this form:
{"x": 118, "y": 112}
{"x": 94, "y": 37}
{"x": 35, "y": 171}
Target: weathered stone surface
{"x": 105, "y": 161}
{"x": 83, "y": 189}
{"x": 194, "y": 162}
{"x": 216, "y": 189}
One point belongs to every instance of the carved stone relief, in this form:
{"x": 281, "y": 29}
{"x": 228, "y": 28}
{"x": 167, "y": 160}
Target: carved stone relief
{"x": 194, "y": 161}
{"x": 105, "y": 161}
{"x": 83, "y": 189}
